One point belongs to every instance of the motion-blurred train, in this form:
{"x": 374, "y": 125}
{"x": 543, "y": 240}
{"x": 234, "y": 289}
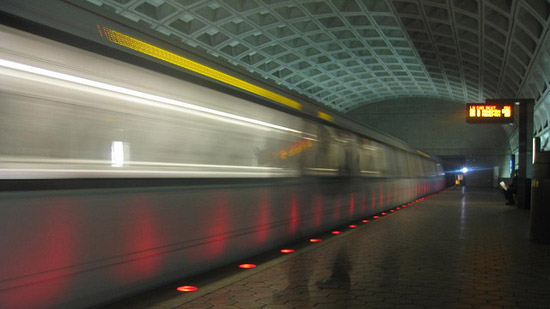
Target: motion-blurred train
{"x": 115, "y": 178}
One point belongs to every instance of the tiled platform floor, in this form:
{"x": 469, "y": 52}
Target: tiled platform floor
{"x": 462, "y": 249}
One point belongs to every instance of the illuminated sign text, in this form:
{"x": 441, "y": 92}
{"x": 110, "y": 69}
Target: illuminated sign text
{"x": 489, "y": 113}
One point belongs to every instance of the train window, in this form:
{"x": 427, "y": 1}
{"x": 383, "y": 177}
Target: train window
{"x": 412, "y": 166}
{"x": 418, "y": 166}
{"x": 401, "y": 164}
{"x": 429, "y": 168}
{"x": 418, "y": 169}
{"x": 440, "y": 171}
{"x": 433, "y": 169}
{"x": 372, "y": 159}
{"x": 391, "y": 170}
{"x": 328, "y": 155}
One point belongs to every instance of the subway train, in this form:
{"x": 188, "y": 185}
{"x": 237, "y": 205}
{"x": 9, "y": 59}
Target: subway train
{"x": 116, "y": 178}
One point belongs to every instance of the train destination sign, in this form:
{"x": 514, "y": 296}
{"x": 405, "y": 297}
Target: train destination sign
{"x": 489, "y": 113}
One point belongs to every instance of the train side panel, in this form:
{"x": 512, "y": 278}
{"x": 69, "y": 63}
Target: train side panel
{"x": 84, "y": 247}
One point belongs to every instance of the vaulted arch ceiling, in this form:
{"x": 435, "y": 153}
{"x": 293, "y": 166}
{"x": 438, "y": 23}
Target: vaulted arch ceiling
{"x": 346, "y": 53}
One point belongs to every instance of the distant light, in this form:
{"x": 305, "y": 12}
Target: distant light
{"x": 187, "y": 288}
{"x": 247, "y": 266}
{"x": 315, "y": 240}
{"x": 352, "y": 226}
{"x": 376, "y": 217}
{"x": 384, "y": 213}
{"x": 287, "y": 250}
{"x": 365, "y": 221}
{"x": 464, "y": 170}
{"x": 398, "y": 208}
{"x": 391, "y": 210}
{"x": 336, "y": 232}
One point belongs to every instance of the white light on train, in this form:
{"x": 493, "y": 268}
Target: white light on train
{"x": 149, "y": 99}
{"x": 465, "y": 170}
{"x": 117, "y": 154}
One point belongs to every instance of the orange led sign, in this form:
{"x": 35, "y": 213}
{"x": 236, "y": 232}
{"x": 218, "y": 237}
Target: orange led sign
{"x": 489, "y": 113}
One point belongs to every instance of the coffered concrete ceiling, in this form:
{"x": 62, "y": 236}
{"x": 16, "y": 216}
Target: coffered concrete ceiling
{"x": 347, "y": 53}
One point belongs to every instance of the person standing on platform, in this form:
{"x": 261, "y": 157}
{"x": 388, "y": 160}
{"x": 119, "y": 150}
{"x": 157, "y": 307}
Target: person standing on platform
{"x": 511, "y": 190}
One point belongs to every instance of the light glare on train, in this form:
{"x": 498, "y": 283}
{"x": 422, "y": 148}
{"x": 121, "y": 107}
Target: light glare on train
{"x": 150, "y": 99}
{"x": 117, "y": 154}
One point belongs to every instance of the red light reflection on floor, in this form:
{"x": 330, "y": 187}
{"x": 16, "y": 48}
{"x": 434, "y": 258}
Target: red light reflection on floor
{"x": 381, "y": 196}
{"x": 315, "y": 240}
{"x": 263, "y": 217}
{"x": 337, "y": 208}
{"x": 187, "y": 288}
{"x": 389, "y": 194}
{"x": 336, "y": 232}
{"x": 318, "y": 204}
{"x": 363, "y": 201}
{"x": 45, "y": 246}
{"x": 140, "y": 238}
{"x": 287, "y": 250}
{"x": 351, "y": 205}
{"x": 294, "y": 215}
{"x": 247, "y": 266}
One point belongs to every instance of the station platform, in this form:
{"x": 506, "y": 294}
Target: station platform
{"x": 462, "y": 248}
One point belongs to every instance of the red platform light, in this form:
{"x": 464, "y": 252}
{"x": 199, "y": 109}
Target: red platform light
{"x": 384, "y": 213}
{"x": 391, "y": 210}
{"x": 398, "y": 208}
{"x": 336, "y": 232}
{"x": 247, "y": 266}
{"x": 315, "y": 240}
{"x": 376, "y": 217}
{"x": 287, "y": 250}
{"x": 187, "y": 288}
{"x": 352, "y": 226}
{"x": 365, "y": 221}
